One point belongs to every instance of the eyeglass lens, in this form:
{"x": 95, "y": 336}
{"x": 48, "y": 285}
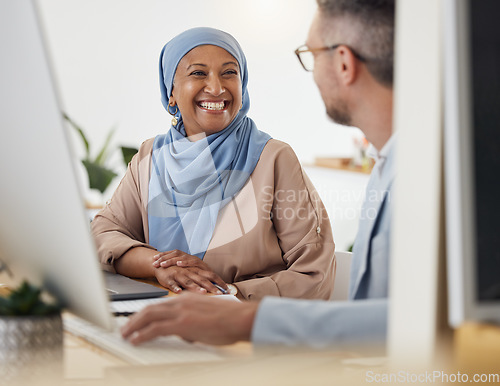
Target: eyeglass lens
{"x": 307, "y": 59}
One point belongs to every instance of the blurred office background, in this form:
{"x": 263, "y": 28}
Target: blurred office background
{"x": 105, "y": 55}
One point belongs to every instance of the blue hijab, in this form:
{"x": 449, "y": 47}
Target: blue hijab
{"x": 192, "y": 181}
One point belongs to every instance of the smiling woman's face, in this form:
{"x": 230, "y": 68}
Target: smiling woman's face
{"x": 207, "y": 89}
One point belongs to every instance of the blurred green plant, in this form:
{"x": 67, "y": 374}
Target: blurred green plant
{"x": 99, "y": 175}
{"x": 26, "y": 300}
{"x": 128, "y": 153}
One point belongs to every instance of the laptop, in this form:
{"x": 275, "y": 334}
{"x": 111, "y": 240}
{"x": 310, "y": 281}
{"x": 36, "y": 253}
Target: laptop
{"x": 120, "y": 287}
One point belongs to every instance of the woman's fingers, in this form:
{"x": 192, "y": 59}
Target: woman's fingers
{"x": 204, "y": 278}
{"x": 188, "y": 272}
{"x": 166, "y": 277}
{"x": 164, "y": 263}
{"x": 173, "y": 286}
{"x": 175, "y": 257}
{"x": 184, "y": 260}
{"x": 176, "y": 279}
{"x": 168, "y": 258}
{"x": 202, "y": 269}
{"x": 206, "y": 281}
{"x": 190, "y": 283}
{"x": 214, "y": 279}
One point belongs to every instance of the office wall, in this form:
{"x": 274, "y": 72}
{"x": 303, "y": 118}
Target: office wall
{"x": 105, "y": 55}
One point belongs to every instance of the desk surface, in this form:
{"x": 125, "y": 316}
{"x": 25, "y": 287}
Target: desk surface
{"x": 87, "y": 364}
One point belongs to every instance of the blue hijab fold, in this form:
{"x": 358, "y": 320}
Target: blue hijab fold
{"x": 192, "y": 181}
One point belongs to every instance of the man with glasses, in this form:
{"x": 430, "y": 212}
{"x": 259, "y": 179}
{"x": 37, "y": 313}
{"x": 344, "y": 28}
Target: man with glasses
{"x": 349, "y": 49}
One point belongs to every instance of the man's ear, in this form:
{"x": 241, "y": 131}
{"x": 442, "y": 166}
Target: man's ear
{"x": 347, "y": 65}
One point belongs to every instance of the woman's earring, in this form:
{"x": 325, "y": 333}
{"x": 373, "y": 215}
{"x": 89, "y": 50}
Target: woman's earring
{"x": 174, "y": 118}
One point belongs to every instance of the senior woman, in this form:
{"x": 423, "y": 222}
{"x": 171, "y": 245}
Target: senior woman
{"x": 215, "y": 201}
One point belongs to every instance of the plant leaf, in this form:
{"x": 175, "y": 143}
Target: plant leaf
{"x": 128, "y": 153}
{"x": 26, "y": 300}
{"x": 82, "y": 135}
{"x": 101, "y": 157}
{"x": 99, "y": 176}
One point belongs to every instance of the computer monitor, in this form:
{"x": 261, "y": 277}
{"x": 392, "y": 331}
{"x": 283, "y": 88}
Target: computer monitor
{"x": 44, "y": 232}
{"x": 472, "y": 159}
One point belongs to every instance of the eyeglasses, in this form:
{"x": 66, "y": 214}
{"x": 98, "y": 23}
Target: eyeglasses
{"x": 306, "y": 54}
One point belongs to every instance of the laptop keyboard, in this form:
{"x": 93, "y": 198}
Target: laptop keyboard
{"x": 163, "y": 350}
{"x": 131, "y": 306}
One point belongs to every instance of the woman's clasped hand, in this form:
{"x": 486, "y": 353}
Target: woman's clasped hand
{"x": 177, "y": 270}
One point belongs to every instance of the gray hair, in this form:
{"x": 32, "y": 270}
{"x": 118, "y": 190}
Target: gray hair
{"x": 371, "y": 25}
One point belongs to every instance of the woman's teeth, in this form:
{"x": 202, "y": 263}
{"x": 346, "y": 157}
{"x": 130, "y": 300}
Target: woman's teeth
{"x": 212, "y": 105}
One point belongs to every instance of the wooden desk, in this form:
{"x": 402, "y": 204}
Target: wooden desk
{"x": 84, "y": 361}
{"x": 86, "y": 364}
{"x": 477, "y": 347}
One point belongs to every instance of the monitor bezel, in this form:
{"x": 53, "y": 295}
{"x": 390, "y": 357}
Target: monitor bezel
{"x": 44, "y": 231}
{"x": 462, "y": 275}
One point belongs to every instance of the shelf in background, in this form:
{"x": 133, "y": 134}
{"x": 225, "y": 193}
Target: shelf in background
{"x": 344, "y": 164}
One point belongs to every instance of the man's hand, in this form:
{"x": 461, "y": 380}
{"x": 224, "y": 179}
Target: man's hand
{"x": 194, "y": 318}
{"x": 176, "y": 270}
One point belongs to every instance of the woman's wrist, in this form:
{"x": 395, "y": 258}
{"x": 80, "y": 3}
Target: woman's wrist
{"x": 137, "y": 263}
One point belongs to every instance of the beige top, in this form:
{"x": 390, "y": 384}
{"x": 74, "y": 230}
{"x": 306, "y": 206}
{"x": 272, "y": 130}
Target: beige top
{"x": 273, "y": 238}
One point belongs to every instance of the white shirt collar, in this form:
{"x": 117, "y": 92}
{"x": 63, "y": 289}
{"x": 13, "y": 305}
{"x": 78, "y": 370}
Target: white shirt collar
{"x": 380, "y": 156}
{"x": 372, "y": 152}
